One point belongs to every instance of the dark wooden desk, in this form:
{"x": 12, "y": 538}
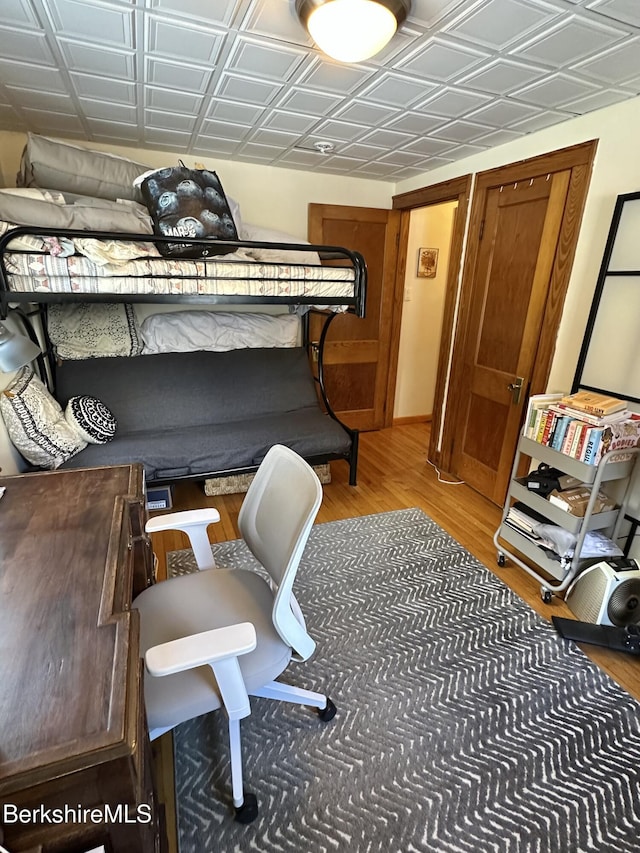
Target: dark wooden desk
{"x": 73, "y": 552}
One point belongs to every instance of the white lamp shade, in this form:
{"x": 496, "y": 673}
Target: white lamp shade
{"x": 15, "y": 350}
{"x": 352, "y": 30}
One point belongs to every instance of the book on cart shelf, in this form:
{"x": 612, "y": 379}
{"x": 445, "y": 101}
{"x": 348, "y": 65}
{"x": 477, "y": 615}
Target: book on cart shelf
{"x": 625, "y": 435}
{"x": 594, "y": 403}
{"x": 559, "y": 432}
{"x": 580, "y": 435}
{"x": 535, "y": 406}
{"x": 592, "y": 444}
{"x": 597, "y": 420}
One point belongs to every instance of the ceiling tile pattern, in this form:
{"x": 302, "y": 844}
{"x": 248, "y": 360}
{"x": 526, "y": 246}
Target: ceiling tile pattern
{"x": 241, "y": 79}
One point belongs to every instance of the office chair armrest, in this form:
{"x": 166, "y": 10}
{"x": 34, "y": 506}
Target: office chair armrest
{"x": 219, "y": 649}
{"x": 207, "y": 647}
{"x": 193, "y": 522}
{"x": 182, "y": 520}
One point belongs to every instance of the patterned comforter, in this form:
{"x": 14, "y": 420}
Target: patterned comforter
{"x": 45, "y": 273}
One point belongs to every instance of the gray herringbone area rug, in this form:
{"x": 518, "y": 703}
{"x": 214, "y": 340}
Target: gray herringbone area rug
{"x": 464, "y": 722}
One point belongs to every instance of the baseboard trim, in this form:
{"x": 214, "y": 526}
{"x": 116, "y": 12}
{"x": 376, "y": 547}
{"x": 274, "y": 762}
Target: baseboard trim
{"x": 412, "y": 419}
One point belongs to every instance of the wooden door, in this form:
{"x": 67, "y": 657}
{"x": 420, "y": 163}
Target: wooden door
{"x": 518, "y": 240}
{"x": 357, "y": 350}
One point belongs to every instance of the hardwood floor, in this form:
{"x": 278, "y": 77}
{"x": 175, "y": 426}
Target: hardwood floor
{"x": 393, "y": 474}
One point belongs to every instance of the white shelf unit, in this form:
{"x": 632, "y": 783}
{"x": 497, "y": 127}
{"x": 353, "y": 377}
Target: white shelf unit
{"x": 560, "y": 574}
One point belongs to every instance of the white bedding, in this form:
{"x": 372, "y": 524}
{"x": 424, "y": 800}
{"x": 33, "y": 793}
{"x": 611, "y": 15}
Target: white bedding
{"x": 217, "y": 331}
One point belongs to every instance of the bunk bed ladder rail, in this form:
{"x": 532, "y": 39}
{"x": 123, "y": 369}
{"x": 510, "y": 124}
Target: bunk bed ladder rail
{"x": 316, "y": 349}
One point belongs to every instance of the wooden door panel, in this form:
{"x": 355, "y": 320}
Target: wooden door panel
{"x": 512, "y": 262}
{"x": 483, "y": 442}
{"x": 351, "y": 390}
{"x": 518, "y": 239}
{"x": 490, "y": 383}
{"x": 356, "y": 355}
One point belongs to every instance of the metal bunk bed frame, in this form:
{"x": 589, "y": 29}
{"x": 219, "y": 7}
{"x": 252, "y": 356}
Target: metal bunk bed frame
{"x": 24, "y": 312}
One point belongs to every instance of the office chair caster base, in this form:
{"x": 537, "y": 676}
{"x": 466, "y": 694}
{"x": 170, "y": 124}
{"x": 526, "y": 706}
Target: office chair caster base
{"x": 327, "y": 713}
{"x": 248, "y": 811}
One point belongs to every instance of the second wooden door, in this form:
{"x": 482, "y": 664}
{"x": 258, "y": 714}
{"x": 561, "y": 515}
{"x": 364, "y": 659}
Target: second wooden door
{"x": 518, "y": 239}
{"x": 357, "y": 351}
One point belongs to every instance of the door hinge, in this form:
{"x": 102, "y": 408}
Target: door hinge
{"x": 481, "y": 230}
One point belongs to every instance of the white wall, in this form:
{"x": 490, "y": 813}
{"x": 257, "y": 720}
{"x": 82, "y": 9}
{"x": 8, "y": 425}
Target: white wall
{"x": 268, "y": 196}
{"x": 422, "y": 312}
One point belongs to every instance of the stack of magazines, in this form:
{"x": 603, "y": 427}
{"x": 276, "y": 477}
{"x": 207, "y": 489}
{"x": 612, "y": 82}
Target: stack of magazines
{"x": 527, "y": 522}
{"x": 522, "y": 519}
{"x": 560, "y": 543}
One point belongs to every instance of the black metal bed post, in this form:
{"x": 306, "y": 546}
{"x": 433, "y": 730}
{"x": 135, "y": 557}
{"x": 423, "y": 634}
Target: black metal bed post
{"x": 353, "y": 458}
{"x": 5, "y": 239}
{"x": 320, "y": 353}
{"x": 353, "y": 433}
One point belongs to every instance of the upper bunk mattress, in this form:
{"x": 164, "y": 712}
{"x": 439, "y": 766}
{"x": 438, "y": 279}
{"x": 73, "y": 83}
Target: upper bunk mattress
{"x": 46, "y": 273}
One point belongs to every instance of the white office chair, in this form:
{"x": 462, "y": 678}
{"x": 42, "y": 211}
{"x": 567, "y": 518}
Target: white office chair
{"x": 215, "y": 637}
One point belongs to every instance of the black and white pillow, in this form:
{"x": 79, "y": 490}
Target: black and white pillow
{"x": 94, "y": 330}
{"x": 91, "y": 419}
{"x": 36, "y": 424}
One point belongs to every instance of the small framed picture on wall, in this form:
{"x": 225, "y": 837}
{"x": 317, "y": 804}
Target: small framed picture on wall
{"x": 427, "y": 263}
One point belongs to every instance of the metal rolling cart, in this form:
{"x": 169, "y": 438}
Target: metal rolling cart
{"x": 559, "y": 573}
{"x": 606, "y": 366}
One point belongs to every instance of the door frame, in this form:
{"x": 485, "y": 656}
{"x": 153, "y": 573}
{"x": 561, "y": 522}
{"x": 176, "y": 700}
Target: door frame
{"x": 579, "y": 159}
{"x": 455, "y": 189}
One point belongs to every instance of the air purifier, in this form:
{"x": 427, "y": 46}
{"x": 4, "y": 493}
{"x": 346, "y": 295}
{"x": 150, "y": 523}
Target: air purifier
{"x": 607, "y": 593}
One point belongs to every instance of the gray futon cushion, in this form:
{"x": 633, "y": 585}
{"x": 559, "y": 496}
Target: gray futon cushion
{"x": 183, "y": 414}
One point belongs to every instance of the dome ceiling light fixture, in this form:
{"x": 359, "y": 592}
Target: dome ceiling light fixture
{"x": 352, "y": 30}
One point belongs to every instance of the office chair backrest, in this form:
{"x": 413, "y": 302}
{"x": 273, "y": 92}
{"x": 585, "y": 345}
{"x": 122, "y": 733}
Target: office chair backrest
{"x": 275, "y": 520}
